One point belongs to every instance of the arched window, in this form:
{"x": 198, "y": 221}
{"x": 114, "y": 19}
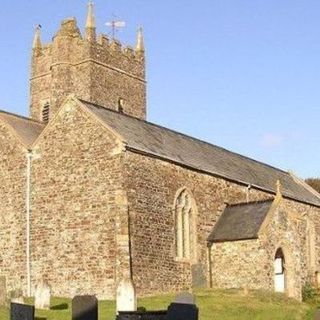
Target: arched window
{"x": 45, "y": 112}
{"x": 184, "y": 210}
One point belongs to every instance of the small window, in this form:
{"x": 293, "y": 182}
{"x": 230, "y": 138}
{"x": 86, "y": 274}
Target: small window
{"x": 46, "y": 112}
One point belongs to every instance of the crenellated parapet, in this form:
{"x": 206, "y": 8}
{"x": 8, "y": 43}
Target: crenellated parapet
{"x": 111, "y": 52}
{"x": 94, "y": 68}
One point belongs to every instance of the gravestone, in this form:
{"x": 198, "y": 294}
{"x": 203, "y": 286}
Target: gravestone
{"x": 84, "y": 308}
{"x": 180, "y": 311}
{"x": 185, "y": 298}
{"x": 126, "y": 296}
{"x": 3, "y": 291}
{"x": 42, "y": 296}
{"x": 198, "y": 272}
{"x": 21, "y": 312}
{"x": 183, "y": 308}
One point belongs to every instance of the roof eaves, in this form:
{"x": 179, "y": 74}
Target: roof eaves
{"x": 21, "y": 117}
{"x": 215, "y": 174}
{"x": 211, "y": 241}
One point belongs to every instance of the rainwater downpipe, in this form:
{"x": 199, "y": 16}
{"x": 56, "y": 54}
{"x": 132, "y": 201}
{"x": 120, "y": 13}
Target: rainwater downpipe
{"x": 28, "y": 211}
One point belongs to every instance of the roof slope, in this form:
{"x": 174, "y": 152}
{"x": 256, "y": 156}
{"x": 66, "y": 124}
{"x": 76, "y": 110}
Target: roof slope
{"x": 240, "y": 221}
{"x": 26, "y": 129}
{"x": 161, "y": 142}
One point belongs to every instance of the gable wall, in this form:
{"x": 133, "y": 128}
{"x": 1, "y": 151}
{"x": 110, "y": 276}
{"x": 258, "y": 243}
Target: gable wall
{"x": 13, "y": 210}
{"x": 76, "y": 179}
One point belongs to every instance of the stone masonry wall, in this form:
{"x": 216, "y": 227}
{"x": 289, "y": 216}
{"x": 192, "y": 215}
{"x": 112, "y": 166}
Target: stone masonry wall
{"x": 76, "y": 181}
{"x": 152, "y": 186}
{"x": 239, "y": 264}
{"x": 13, "y": 174}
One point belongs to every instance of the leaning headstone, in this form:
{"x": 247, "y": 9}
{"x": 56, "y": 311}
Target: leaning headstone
{"x": 84, "y": 308}
{"x": 42, "y": 296}
{"x": 183, "y": 308}
{"x": 185, "y": 298}
{"x": 126, "y": 296}
{"x": 21, "y": 312}
{"x": 3, "y": 291}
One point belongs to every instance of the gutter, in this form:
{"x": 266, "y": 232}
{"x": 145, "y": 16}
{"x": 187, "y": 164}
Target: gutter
{"x": 28, "y": 213}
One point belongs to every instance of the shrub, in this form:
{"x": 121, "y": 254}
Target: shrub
{"x": 309, "y": 293}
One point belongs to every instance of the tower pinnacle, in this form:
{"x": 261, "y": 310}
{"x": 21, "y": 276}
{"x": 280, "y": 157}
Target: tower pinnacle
{"x": 140, "y": 41}
{"x": 91, "y": 23}
{"x": 37, "y": 38}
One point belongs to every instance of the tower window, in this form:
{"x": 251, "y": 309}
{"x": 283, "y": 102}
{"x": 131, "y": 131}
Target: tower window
{"x": 45, "y": 112}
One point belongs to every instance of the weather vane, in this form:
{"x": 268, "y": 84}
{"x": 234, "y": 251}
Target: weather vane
{"x": 115, "y": 25}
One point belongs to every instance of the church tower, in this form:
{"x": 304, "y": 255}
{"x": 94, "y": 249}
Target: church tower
{"x": 96, "y": 69}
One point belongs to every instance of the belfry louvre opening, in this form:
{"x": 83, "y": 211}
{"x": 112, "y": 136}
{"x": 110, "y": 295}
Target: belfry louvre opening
{"x": 46, "y": 112}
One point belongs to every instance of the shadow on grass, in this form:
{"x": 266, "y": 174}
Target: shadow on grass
{"x": 40, "y": 318}
{"x": 62, "y": 306}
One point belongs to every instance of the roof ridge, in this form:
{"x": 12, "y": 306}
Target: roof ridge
{"x": 248, "y": 203}
{"x": 20, "y": 116}
{"x": 186, "y": 135}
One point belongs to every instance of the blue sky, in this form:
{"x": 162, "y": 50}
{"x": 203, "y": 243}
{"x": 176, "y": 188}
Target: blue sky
{"x": 241, "y": 74}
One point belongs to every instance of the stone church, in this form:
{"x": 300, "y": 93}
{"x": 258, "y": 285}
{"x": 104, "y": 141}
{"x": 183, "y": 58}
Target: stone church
{"x": 93, "y": 193}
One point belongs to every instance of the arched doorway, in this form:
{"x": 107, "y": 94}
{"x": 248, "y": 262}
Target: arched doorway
{"x": 279, "y": 271}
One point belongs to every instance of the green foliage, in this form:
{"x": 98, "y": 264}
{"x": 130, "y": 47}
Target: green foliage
{"x": 309, "y": 293}
{"x": 314, "y": 183}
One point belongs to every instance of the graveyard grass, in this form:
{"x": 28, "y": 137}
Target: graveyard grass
{"x": 213, "y": 304}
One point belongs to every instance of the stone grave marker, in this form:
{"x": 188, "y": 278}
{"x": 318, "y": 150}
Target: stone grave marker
{"x": 183, "y": 308}
{"x": 21, "y": 312}
{"x": 126, "y": 296}
{"x": 185, "y": 298}
{"x": 84, "y": 308}
{"x": 42, "y": 296}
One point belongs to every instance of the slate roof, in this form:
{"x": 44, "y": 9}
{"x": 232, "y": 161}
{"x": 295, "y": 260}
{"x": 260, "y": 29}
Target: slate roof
{"x": 27, "y": 129}
{"x": 145, "y": 137}
{"x": 240, "y": 221}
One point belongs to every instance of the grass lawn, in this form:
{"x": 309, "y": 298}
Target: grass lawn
{"x": 213, "y": 304}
